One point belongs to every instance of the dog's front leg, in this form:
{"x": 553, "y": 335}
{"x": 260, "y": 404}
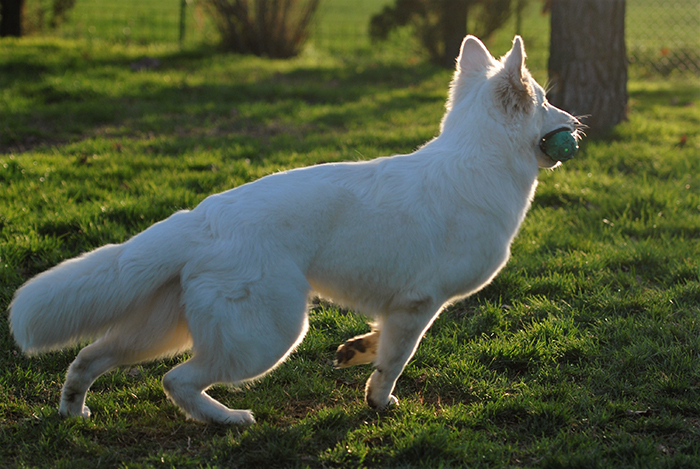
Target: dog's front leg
{"x": 400, "y": 335}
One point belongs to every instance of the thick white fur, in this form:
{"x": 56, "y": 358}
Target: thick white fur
{"x": 396, "y": 238}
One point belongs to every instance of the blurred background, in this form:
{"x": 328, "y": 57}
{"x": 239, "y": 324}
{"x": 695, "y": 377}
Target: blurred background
{"x": 661, "y": 35}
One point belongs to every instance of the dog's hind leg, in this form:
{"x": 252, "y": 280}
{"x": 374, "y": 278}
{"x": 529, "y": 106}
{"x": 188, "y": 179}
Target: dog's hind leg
{"x": 186, "y": 384}
{"x": 92, "y": 361}
{"x": 154, "y": 329}
{"x": 358, "y": 350}
{"x": 239, "y": 333}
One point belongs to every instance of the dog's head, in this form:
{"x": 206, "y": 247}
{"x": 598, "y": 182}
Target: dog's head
{"x": 500, "y": 101}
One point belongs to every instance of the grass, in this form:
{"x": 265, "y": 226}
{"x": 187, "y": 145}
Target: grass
{"x": 584, "y": 352}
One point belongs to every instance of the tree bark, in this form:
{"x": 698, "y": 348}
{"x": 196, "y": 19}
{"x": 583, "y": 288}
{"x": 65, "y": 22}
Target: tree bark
{"x": 10, "y": 18}
{"x": 454, "y": 28}
{"x": 588, "y": 61}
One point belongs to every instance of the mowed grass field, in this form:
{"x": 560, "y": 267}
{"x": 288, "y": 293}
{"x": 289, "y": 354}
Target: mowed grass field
{"x": 584, "y": 352}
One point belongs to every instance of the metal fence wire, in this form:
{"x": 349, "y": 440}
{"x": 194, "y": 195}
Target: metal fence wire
{"x": 136, "y": 21}
{"x": 663, "y": 36}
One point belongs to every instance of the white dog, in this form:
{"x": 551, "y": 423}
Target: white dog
{"x": 395, "y": 238}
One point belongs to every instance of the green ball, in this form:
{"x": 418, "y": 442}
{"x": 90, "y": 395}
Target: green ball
{"x": 559, "y": 145}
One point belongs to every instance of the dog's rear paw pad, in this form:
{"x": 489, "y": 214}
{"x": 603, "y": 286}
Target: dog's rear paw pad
{"x": 355, "y": 351}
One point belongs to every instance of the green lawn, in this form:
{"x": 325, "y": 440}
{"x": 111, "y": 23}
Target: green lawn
{"x": 584, "y": 352}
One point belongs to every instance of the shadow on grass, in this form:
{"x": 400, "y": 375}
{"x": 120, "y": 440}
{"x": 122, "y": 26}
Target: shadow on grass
{"x": 107, "y": 440}
{"x": 106, "y": 99}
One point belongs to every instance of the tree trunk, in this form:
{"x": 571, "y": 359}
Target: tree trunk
{"x": 588, "y": 61}
{"x": 454, "y": 28}
{"x": 10, "y": 18}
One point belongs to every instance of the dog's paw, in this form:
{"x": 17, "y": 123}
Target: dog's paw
{"x": 392, "y": 402}
{"x": 65, "y": 411}
{"x": 239, "y": 417}
{"x": 221, "y": 415}
{"x": 357, "y": 351}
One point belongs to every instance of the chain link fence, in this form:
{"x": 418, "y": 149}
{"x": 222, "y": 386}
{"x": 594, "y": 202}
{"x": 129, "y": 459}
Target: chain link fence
{"x": 663, "y": 36}
{"x": 341, "y": 23}
{"x": 138, "y": 21}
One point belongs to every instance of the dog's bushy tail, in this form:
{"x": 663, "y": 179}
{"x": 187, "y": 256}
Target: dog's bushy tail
{"x": 81, "y": 298}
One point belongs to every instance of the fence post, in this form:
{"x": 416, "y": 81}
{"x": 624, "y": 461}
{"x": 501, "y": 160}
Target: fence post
{"x": 183, "y": 12}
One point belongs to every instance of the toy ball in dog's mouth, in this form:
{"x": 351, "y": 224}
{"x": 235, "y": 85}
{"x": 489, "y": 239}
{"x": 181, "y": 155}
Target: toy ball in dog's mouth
{"x": 560, "y": 144}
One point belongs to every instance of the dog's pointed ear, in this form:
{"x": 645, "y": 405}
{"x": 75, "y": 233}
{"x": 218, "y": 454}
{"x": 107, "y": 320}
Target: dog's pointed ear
{"x": 473, "y": 55}
{"x": 514, "y": 61}
{"x": 513, "y": 89}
